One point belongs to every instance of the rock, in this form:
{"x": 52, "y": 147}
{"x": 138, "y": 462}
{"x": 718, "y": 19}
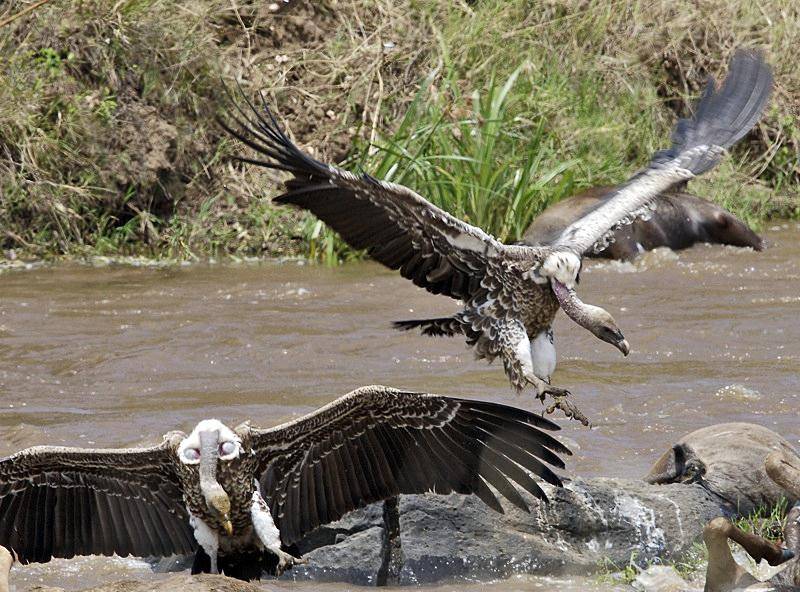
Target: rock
{"x": 680, "y": 220}
{"x": 660, "y": 578}
{"x": 728, "y": 460}
{"x": 452, "y": 537}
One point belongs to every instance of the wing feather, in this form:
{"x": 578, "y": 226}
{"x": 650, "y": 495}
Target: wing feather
{"x": 378, "y": 442}
{"x": 398, "y": 227}
{"x": 721, "y": 119}
{"x": 62, "y": 502}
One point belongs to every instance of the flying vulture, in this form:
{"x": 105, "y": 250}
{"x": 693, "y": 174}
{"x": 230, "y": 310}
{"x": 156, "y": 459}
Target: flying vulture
{"x": 240, "y": 498}
{"x": 510, "y": 293}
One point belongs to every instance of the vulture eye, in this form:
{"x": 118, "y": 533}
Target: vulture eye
{"x": 191, "y": 454}
{"x": 227, "y": 448}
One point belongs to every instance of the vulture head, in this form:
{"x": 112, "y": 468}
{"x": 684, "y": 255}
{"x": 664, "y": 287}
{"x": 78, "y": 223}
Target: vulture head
{"x": 211, "y": 443}
{"x": 593, "y": 318}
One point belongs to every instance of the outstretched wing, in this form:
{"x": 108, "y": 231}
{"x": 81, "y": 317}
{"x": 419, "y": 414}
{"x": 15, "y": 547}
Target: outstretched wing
{"x": 722, "y": 118}
{"x": 377, "y": 442}
{"x": 62, "y": 502}
{"x": 398, "y": 227}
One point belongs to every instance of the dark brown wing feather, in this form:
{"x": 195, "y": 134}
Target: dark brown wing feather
{"x": 62, "y": 502}
{"x": 377, "y": 442}
{"x": 397, "y": 227}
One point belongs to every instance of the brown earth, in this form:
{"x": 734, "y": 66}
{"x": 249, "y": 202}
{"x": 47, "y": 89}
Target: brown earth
{"x": 107, "y": 109}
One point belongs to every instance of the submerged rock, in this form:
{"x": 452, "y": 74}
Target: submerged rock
{"x": 660, "y": 578}
{"x": 179, "y": 583}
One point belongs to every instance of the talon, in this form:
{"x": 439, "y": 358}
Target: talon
{"x": 286, "y": 560}
{"x": 570, "y": 410}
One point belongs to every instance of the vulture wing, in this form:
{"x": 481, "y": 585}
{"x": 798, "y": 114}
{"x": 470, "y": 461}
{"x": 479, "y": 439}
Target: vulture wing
{"x": 398, "y": 227}
{"x": 62, "y": 502}
{"x": 721, "y": 119}
{"x": 377, "y": 442}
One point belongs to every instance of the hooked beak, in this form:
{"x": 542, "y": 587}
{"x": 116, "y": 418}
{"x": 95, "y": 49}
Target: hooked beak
{"x": 216, "y": 498}
{"x": 623, "y": 347}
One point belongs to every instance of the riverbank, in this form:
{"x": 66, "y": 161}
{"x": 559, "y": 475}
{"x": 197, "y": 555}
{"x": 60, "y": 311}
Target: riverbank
{"x": 108, "y": 144}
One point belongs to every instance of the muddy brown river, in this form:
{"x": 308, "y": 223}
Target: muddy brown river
{"x": 117, "y": 355}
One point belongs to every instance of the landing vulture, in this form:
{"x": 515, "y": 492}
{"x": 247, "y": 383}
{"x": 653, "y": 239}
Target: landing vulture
{"x": 510, "y": 293}
{"x": 239, "y": 498}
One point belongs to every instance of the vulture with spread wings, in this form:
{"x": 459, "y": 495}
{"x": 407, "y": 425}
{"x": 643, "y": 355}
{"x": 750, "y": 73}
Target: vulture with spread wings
{"x": 510, "y": 293}
{"x": 239, "y": 498}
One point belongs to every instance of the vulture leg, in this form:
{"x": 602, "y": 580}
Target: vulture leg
{"x": 515, "y": 347}
{"x": 569, "y": 409}
{"x": 207, "y": 538}
{"x": 543, "y": 354}
{"x": 268, "y": 533}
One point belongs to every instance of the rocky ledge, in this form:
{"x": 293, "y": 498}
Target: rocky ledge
{"x": 421, "y": 539}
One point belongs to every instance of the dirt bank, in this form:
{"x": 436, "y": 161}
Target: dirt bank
{"x": 107, "y": 137}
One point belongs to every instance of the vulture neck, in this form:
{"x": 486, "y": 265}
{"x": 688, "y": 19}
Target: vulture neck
{"x": 216, "y": 498}
{"x": 580, "y": 312}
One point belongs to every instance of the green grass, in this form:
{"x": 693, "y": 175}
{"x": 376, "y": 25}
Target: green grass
{"x": 766, "y": 522}
{"x": 688, "y": 566}
{"x": 498, "y": 133}
{"x": 492, "y": 110}
{"x": 490, "y": 167}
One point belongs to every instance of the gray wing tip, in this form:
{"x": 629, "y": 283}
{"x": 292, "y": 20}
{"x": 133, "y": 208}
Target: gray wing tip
{"x": 726, "y": 114}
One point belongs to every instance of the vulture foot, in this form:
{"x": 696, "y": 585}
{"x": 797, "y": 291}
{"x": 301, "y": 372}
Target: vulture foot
{"x": 286, "y": 560}
{"x": 569, "y": 408}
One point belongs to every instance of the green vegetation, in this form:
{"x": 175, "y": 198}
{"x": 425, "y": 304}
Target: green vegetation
{"x": 764, "y": 521}
{"x": 493, "y": 110}
{"x": 689, "y": 566}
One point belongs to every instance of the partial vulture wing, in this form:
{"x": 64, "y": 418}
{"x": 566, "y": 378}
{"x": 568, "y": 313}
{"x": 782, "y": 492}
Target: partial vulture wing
{"x": 377, "y": 442}
{"x": 62, "y": 502}
{"x": 399, "y": 228}
{"x": 722, "y": 118}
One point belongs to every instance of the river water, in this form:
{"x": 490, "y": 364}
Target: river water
{"x": 118, "y": 355}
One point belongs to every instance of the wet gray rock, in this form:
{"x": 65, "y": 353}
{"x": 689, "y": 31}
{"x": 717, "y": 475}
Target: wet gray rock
{"x": 453, "y": 537}
{"x": 714, "y": 471}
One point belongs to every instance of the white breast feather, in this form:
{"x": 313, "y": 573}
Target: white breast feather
{"x": 205, "y": 536}
{"x": 543, "y": 353}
